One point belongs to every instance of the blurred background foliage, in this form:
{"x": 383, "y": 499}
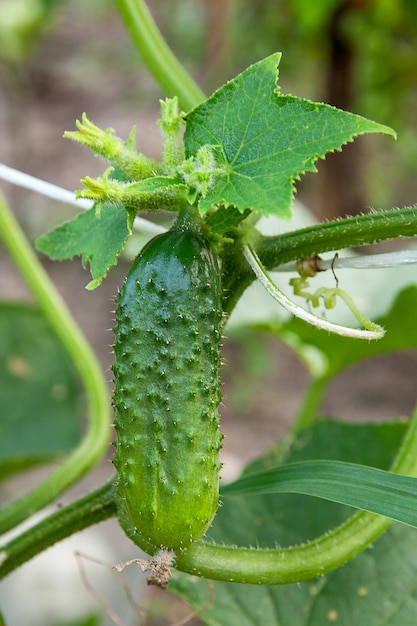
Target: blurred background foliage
{"x": 359, "y": 55}
{"x": 59, "y": 58}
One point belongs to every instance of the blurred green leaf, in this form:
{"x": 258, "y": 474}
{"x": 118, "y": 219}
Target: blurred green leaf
{"x": 313, "y": 17}
{"x": 378, "y": 588}
{"x": 326, "y": 354}
{"x": 39, "y": 395}
{"x": 338, "y": 352}
{"x": 22, "y": 22}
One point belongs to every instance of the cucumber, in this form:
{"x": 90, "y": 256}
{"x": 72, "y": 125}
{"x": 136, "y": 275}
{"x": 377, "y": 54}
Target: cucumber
{"x": 167, "y": 389}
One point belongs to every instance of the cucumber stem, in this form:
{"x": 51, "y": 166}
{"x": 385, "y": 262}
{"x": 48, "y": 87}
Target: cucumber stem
{"x": 303, "y": 243}
{"x": 93, "y": 508}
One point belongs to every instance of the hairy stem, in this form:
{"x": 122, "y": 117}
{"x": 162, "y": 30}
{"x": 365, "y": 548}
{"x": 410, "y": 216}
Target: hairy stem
{"x": 96, "y": 439}
{"x": 91, "y": 509}
{"x": 303, "y": 243}
{"x": 371, "y": 331}
{"x": 346, "y": 233}
{"x": 159, "y": 59}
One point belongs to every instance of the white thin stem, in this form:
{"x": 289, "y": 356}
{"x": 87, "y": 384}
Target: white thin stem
{"x": 264, "y": 278}
{"x": 16, "y": 177}
{"x": 367, "y": 261}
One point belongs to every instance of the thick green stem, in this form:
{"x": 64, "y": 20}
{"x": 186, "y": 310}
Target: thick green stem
{"x": 290, "y": 565}
{"x": 159, "y": 59}
{"x": 307, "y": 242}
{"x": 96, "y": 439}
{"x": 91, "y": 509}
{"x": 346, "y": 233}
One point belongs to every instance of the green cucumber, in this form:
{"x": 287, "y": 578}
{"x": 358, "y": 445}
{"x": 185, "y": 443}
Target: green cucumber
{"x": 167, "y": 389}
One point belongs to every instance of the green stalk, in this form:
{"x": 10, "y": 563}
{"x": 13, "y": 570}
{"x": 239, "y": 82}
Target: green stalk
{"x": 96, "y": 439}
{"x": 303, "y": 243}
{"x": 350, "y": 232}
{"x": 91, "y": 509}
{"x": 158, "y": 57}
{"x": 311, "y": 404}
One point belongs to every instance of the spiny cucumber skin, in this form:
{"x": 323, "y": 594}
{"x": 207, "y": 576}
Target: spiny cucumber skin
{"x": 167, "y": 390}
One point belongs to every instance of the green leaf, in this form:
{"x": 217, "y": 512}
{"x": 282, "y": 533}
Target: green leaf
{"x": 39, "y": 392}
{"x": 361, "y": 487}
{"x": 98, "y": 240}
{"x": 265, "y": 140}
{"x": 378, "y": 588}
